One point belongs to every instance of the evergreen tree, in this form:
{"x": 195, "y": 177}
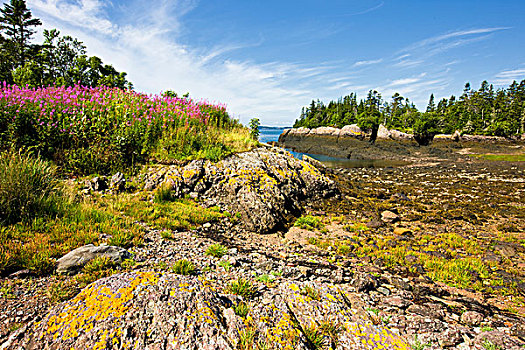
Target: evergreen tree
{"x": 17, "y": 24}
{"x": 431, "y": 107}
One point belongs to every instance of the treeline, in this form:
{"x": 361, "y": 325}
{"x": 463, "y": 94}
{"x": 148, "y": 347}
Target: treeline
{"x": 59, "y": 60}
{"x": 485, "y": 111}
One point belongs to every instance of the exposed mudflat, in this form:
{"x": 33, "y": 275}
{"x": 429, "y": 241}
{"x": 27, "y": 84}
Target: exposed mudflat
{"x": 433, "y": 251}
{"x": 442, "y": 149}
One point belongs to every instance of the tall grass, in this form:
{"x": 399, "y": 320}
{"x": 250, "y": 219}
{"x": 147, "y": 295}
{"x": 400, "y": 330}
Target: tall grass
{"x": 29, "y": 188}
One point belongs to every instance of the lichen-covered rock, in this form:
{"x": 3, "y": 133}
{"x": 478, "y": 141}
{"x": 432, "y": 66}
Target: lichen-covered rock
{"x": 352, "y": 130}
{"x": 148, "y": 310}
{"x": 325, "y": 130}
{"x": 77, "y": 258}
{"x": 265, "y": 186}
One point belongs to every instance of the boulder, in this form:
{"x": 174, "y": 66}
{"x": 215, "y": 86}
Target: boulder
{"x": 472, "y": 318}
{"x": 76, "y": 259}
{"x": 149, "y": 310}
{"x": 299, "y": 131}
{"x": 265, "y": 186}
{"x": 390, "y": 217}
{"x": 325, "y": 131}
{"x": 400, "y": 136}
{"x": 118, "y": 182}
{"x": 383, "y": 132}
{"x": 352, "y": 131}
{"x": 99, "y": 183}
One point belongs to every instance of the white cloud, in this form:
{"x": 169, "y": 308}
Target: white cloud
{"x": 156, "y": 61}
{"x": 367, "y": 63}
{"x": 453, "y": 35}
{"x": 506, "y": 77}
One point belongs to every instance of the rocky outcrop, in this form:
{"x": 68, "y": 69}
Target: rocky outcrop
{"x": 77, "y": 258}
{"x": 264, "y": 186}
{"x": 384, "y": 134}
{"x": 148, "y": 310}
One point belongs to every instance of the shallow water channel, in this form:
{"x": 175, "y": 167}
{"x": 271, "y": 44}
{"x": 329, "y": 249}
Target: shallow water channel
{"x": 268, "y": 134}
{"x": 333, "y": 162}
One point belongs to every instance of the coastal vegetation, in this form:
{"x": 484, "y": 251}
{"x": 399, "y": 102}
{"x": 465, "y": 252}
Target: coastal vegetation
{"x": 485, "y": 111}
{"x": 70, "y": 108}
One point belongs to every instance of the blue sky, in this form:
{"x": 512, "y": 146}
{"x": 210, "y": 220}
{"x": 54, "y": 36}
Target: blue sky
{"x": 269, "y": 58}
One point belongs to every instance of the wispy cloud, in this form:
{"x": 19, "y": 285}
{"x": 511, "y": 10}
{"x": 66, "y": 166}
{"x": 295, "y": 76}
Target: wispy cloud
{"x": 378, "y": 6}
{"x": 420, "y": 51}
{"x": 453, "y": 35}
{"x": 367, "y": 63}
{"x": 506, "y": 77}
{"x": 156, "y": 61}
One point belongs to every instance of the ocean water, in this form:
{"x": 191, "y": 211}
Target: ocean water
{"x": 268, "y": 134}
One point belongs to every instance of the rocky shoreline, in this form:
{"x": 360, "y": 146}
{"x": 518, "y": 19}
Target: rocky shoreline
{"x": 350, "y": 142}
{"x": 334, "y": 284}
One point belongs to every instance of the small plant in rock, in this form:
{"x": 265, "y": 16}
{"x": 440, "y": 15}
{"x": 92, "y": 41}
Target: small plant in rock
{"x": 98, "y": 264}
{"x": 357, "y": 227}
{"x": 183, "y": 267}
{"x": 247, "y": 338}
{"x": 309, "y": 223}
{"x": 344, "y": 249}
{"x": 311, "y": 292}
{"x": 166, "y": 234}
{"x": 277, "y": 273}
{"x": 315, "y": 337}
{"x": 15, "y": 326}
{"x": 241, "y": 309}
{"x": 332, "y": 330}
{"x": 418, "y": 345}
{"x": 128, "y": 264}
{"x": 162, "y": 265}
{"x": 488, "y": 345}
{"x": 242, "y": 287}
{"x": 95, "y": 269}
{"x": 386, "y": 319}
{"x": 6, "y": 291}
{"x": 265, "y": 278}
{"x": 217, "y": 250}
{"x": 225, "y": 264}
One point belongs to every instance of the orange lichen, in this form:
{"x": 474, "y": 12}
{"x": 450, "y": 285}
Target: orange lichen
{"x": 93, "y": 304}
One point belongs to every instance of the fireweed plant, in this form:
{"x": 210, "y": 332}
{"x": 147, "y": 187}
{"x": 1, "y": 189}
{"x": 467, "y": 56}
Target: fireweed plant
{"x": 98, "y": 130}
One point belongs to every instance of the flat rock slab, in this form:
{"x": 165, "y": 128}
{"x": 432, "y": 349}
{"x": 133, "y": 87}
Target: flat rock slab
{"x": 76, "y": 259}
{"x": 149, "y": 310}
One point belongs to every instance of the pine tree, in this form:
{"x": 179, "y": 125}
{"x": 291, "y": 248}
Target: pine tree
{"x": 17, "y": 24}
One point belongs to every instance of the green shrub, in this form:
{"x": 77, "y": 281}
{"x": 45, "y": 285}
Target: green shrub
{"x": 309, "y": 223}
{"x": 315, "y": 337}
{"x": 124, "y": 239}
{"x": 29, "y": 188}
{"x": 217, "y": 250}
{"x": 241, "y": 309}
{"x": 98, "y": 264}
{"x": 311, "y": 292}
{"x": 183, "y": 267}
{"x": 242, "y": 287}
{"x": 225, "y": 264}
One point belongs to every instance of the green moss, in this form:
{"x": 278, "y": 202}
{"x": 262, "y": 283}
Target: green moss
{"x": 309, "y": 222}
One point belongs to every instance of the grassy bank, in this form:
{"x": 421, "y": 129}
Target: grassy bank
{"x": 88, "y": 130}
{"x": 46, "y": 133}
